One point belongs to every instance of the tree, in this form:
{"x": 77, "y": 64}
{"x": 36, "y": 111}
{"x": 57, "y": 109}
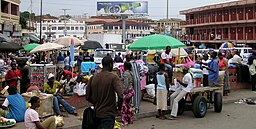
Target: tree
{"x": 23, "y": 22}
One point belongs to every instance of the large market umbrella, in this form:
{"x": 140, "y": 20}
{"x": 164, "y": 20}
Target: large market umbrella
{"x": 9, "y": 46}
{"x": 66, "y": 41}
{"x": 30, "y": 47}
{"x": 91, "y": 45}
{"x": 155, "y": 42}
{"x": 227, "y": 45}
{"x": 47, "y": 47}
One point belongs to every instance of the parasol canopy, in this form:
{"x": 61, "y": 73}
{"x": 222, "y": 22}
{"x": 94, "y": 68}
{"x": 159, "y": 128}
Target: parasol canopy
{"x": 227, "y": 45}
{"x": 47, "y": 47}
{"x": 9, "y": 46}
{"x": 67, "y": 40}
{"x": 91, "y": 45}
{"x": 156, "y": 42}
{"x": 30, "y": 47}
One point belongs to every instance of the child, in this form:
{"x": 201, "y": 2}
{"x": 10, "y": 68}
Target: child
{"x": 32, "y": 120}
{"x": 162, "y": 90}
{"x": 128, "y": 93}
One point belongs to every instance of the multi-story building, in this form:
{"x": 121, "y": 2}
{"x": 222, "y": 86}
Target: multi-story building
{"x": 9, "y": 18}
{"x": 56, "y": 27}
{"x": 133, "y": 29}
{"x": 170, "y": 26}
{"x": 218, "y": 23}
{"x": 113, "y": 25}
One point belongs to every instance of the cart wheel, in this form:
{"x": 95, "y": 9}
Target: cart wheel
{"x": 199, "y": 107}
{"x": 181, "y": 107}
{"x": 217, "y": 102}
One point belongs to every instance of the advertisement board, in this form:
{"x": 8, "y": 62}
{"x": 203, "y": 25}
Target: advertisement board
{"x": 122, "y": 7}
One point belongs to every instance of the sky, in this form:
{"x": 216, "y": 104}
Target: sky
{"x": 157, "y": 8}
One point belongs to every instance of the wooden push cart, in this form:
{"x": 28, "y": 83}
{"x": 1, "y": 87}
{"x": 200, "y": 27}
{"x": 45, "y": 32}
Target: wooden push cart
{"x": 198, "y": 101}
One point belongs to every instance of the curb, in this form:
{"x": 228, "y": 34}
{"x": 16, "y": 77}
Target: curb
{"x": 150, "y": 114}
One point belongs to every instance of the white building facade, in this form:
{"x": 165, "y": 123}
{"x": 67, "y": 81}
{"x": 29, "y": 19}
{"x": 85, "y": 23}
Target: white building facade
{"x": 55, "y": 28}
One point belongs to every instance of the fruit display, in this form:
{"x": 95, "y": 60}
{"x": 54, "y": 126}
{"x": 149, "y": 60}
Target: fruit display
{"x": 6, "y": 122}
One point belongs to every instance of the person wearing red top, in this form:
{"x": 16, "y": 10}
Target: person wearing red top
{"x": 223, "y": 66}
{"x": 64, "y": 73}
{"x": 13, "y": 75}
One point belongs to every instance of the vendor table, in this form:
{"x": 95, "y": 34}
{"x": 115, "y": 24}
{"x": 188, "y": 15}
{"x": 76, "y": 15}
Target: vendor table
{"x": 46, "y": 105}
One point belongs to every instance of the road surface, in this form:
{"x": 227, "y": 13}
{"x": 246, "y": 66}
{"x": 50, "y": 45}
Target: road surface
{"x": 233, "y": 116}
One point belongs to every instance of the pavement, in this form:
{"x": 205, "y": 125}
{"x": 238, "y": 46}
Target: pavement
{"x": 147, "y": 109}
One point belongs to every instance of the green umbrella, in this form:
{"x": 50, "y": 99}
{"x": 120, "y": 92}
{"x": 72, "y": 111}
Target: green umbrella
{"x": 156, "y": 42}
{"x": 30, "y": 47}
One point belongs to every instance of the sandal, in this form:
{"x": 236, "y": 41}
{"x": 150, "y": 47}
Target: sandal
{"x": 172, "y": 118}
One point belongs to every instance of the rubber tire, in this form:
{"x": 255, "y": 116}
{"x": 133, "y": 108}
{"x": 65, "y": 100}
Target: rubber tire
{"x": 181, "y": 107}
{"x": 217, "y": 102}
{"x": 199, "y": 112}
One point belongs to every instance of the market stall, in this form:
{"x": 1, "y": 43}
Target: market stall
{"x": 39, "y": 73}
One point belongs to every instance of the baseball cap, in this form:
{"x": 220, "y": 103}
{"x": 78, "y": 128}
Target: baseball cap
{"x": 50, "y": 75}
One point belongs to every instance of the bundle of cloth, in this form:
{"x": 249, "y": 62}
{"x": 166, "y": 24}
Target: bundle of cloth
{"x": 196, "y": 73}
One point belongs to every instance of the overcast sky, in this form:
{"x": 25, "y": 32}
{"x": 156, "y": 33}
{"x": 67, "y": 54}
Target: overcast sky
{"x": 157, "y": 8}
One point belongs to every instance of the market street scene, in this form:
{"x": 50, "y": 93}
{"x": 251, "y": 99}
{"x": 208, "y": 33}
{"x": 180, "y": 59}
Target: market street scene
{"x": 127, "y": 64}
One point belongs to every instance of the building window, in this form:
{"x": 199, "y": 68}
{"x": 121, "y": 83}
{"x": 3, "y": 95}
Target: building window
{"x": 116, "y": 27}
{"x": 60, "y": 28}
{"x": 72, "y": 28}
{"x": 54, "y": 28}
{"x": 44, "y": 28}
{"x": 81, "y": 28}
{"x": 14, "y": 9}
{"x": 68, "y": 28}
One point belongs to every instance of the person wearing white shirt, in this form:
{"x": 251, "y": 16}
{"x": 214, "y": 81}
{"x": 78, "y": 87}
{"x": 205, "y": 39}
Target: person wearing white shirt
{"x": 166, "y": 59}
{"x": 183, "y": 88}
{"x": 236, "y": 59}
{"x": 205, "y": 71}
{"x": 67, "y": 62}
{"x": 252, "y": 69}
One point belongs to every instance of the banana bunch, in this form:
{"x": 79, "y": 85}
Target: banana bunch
{"x": 118, "y": 125}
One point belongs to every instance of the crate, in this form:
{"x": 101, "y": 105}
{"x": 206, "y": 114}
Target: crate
{"x": 46, "y": 105}
{"x": 198, "y": 82}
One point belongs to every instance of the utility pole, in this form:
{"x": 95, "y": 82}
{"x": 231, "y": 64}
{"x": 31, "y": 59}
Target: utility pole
{"x": 41, "y": 14}
{"x": 30, "y": 18}
{"x": 85, "y": 26}
{"x": 167, "y": 18}
{"x": 65, "y": 18}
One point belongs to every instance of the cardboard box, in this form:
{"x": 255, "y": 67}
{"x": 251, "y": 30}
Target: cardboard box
{"x": 46, "y": 105}
{"x": 198, "y": 82}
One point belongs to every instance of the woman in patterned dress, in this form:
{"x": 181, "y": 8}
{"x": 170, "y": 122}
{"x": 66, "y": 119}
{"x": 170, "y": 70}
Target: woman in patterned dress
{"x": 128, "y": 93}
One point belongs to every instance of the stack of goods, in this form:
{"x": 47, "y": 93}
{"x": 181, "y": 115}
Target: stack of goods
{"x": 197, "y": 75}
{"x": 233, "y": 78}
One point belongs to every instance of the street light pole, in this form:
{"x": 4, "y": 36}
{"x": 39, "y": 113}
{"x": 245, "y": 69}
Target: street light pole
{"x": 167, "y": 18}
{"x": 41, "y": 13}
{"x": 65, "y": 18}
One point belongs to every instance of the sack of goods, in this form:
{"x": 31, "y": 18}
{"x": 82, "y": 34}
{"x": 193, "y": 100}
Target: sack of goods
{"x": 197, "y": 75}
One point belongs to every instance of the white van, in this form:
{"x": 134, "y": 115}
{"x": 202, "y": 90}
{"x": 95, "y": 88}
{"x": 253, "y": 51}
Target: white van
{"x": 244, "y": 51}
{"x": 99, "y": 54}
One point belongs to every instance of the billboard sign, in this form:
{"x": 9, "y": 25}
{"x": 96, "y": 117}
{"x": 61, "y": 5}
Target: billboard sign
{"x": 122, "y": 7}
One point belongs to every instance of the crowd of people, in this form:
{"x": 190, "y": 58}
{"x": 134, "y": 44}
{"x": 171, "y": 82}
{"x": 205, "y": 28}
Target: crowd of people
{"x": 101, "y": 89}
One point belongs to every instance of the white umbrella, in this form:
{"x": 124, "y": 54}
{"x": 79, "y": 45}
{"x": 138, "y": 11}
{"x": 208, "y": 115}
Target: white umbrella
{"x": 176, "y": 52}
{"x": 67, "y": 40}
{"x": 47, "y": 47}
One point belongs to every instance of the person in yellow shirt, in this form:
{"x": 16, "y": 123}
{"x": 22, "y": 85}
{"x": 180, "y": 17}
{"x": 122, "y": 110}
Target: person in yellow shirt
{"x": 51, "y": 87}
